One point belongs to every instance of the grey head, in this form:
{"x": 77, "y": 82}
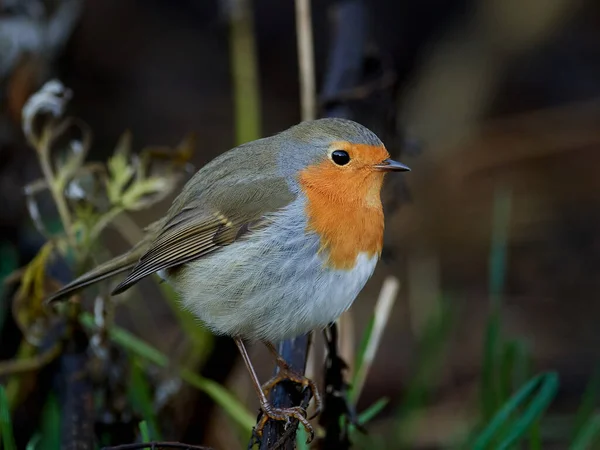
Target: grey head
{"x": 310, "y": 142}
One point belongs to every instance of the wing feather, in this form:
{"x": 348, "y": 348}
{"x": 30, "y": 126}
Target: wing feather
{"x": 198, "y": 229}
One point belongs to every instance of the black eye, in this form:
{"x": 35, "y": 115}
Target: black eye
{"x": 340, "y": 157}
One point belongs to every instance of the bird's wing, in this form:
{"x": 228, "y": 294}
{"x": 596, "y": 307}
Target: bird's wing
{"x": 198, "y": 227}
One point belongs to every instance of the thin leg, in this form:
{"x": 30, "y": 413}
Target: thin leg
{"x": 269, "y": 411}
{"x": 287, "y": 373}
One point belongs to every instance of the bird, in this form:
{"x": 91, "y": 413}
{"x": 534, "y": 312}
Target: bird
{"x": 270, "y": 240}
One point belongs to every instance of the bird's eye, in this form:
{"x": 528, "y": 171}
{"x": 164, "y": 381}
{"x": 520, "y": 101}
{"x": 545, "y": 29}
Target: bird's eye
{"x": 340, "y": 157}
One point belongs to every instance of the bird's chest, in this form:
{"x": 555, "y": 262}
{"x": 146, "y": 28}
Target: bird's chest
{"x": 345, "y": 229}
{"x": 275, "y": 283}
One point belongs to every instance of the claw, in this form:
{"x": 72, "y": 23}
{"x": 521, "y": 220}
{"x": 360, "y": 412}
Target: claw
{"x": 296, "y": 412}
{"x": 287, "y": 374}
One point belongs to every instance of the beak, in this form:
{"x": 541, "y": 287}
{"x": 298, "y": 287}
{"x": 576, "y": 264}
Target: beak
{"x": 389, "y": 165}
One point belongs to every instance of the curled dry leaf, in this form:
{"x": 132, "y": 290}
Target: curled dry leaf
{"x": 32, "y": 191}
{"x": 32, "y": 318}
{"x": 49, "y": 101}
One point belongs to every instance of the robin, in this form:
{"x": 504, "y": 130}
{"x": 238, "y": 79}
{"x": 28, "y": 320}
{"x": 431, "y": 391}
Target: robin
{"x": 270, "y": 240}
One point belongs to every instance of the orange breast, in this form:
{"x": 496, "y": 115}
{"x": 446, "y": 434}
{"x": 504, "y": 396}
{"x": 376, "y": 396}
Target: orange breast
{"x": 344, "y": 209}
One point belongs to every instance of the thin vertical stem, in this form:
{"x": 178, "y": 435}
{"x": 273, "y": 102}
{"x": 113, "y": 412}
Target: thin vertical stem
{"x": 244, "y": 69}
{"x": 304, "y": 36}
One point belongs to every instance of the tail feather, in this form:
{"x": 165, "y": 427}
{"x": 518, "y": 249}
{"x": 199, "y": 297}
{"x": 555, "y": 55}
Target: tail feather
{"x": 110, "y": 268}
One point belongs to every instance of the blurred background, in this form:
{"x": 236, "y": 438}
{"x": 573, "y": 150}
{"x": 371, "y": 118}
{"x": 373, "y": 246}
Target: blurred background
{"x": 493, "y": 236}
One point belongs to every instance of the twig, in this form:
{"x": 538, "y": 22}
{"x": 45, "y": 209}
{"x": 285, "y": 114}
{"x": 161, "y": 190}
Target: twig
{"x": 77, "y": 424}
{"x": 19, "y": 366}
{"x": 385, "y": 302}
{"x": 306, "y": 63}
{"x": 279, "y": 435}
{"x": 55, "y": 188}
{"x": 336, "y": 404}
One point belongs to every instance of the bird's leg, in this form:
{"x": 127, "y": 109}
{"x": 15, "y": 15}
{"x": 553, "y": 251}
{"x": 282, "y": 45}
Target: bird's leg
{"x": 289, "y": 374}
{"x": 269, "y": 411}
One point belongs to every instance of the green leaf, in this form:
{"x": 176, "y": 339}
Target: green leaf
{"x": 144, "y": 431}
{"x": 133, "y": 197}
{"x": 360, "y": 356}
{"x": 301, "y": 437}
{"x": 222, "y": 397}
{"x": 141, "y": 398}
{"x": 120, "y": 174}
{"x": 6, "y": 429}
{"x": 588, "y": 403}
{"x": 588, "y": 435}
{"x": 369, "y": 413}
{"x": 507, "y": 369}
{"x": 535, "y": 436}
{"x": 489, "y": 390}
{"x": 51, "y": 425}
{"x": 34, "y": 442}
{"x": 548, "y": 385}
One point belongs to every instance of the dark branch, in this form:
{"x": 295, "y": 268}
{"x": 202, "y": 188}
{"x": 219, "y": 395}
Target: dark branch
{"x": 77, "y": 428}
{"x": 277, "y": 434}
{"x": 336, "y": 403}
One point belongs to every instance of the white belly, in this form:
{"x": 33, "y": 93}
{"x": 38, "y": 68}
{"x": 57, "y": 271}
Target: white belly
{"x": 271, "y": 286}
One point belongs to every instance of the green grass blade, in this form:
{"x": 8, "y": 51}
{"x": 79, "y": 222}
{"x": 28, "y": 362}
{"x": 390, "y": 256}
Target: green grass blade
{"x": 145, "y": 432}
{"x": 34, "y": 442}
{"x": 489, "y": 390}
{"x": 535, "y": 436}
{"x": 6, "y": 429}
{"x": 140, "y": 396}
{"x": 548, "y": 385}
{"x": 51, "y": 424}
{"x": 588, "y": 403}
{"x": 491, "y": 395}
{"x": 588, "y": 436}
{"x": 360, "y": 354}
{"x": 222, "y": 397}
{"x": 522, "y": 368}
{"x": 301, "y": 438}
{"x": 507, "y": 370}
{"x": 368, "y": 414}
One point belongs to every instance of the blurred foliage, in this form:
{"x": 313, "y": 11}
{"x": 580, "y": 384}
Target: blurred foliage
{"x": 88, "y": 197}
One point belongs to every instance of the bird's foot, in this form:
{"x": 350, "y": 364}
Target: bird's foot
{"x": 287, "y": 374}
{"x": 284, "y": 414}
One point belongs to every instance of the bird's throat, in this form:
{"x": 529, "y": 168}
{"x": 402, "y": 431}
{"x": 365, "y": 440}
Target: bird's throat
{"x": 345, "y": 212}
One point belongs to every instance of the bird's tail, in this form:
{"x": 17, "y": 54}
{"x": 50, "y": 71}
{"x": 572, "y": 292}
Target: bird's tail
{"x": 112, "y": 267}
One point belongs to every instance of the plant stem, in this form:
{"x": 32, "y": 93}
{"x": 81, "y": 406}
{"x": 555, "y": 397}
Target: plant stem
{"x": 56, "y": 189}
{"x": 306, "y": 59}
{"x": 245, "y": 72}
